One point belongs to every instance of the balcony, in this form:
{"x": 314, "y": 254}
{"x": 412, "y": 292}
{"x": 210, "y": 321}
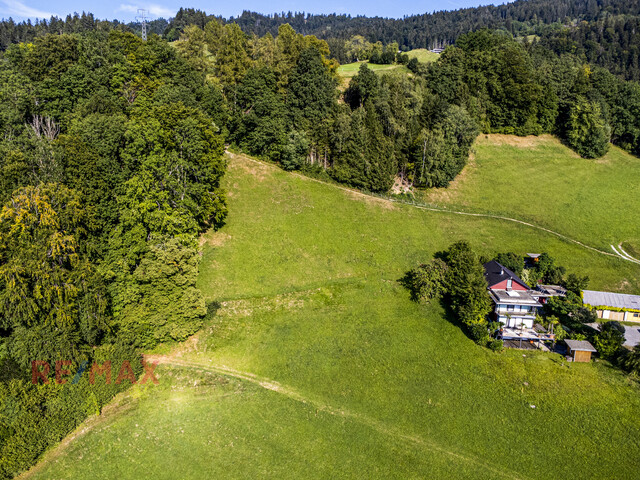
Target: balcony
{"x": 515, "y": 313}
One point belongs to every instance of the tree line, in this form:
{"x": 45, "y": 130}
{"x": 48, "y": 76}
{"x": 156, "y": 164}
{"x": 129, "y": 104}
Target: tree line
{"x": 515, "y": 87}
{"x": 286, "y": 106}
{"x": 111, "y": 157}
{"x": 612, "y": 42}
{"x": 522, "y": 17}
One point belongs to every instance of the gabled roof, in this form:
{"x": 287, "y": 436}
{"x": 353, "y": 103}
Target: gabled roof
{"x": 580, "y": 346}
{"x": 495, "y": 273}
{"x": 609, "y": 299}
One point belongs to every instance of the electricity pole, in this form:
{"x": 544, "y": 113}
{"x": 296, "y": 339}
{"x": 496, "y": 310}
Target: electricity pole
{"x": 143, "y": 21}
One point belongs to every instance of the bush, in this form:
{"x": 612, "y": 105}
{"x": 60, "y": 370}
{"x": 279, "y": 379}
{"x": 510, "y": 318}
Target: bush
{"x": 609, "y": 340}
{"x": 426, "y": 282}
{"x": 631, "y": 361}
{"x": 512, "y": 261}
{"x": 479, "y": 333}
{"x": 496, "y": 345}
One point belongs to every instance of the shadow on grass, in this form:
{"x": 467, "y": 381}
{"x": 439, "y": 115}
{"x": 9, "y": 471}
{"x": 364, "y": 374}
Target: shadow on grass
{"x": 212, "y": 308}
{"x": 407, "y": 281}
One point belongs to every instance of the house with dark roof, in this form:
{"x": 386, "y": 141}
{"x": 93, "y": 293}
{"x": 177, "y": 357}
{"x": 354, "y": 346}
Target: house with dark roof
{"x": 515, "y": 303}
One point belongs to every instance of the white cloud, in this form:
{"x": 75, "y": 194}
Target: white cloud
{"x": 153, "y": 9}
{"x": 18, "y": 9}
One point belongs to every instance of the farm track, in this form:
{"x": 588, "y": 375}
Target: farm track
{"x": 620, "y": 252}
{"x": 617, "y": 254}
{"x": 291, "y": 393}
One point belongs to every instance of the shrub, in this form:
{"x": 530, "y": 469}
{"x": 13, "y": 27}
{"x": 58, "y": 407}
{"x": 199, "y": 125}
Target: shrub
{"x": 479, "y": 333}
{"x": 631, "y": 361}
{"x": 609, "y": 340}
{"x": 496, "y": 345}
{"x": 512, "y": 261}
{"x": 426, "y": 282}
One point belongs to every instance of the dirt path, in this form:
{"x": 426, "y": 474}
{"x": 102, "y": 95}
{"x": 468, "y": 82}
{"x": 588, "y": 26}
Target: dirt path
{"x": 445, "y": 210}
{"x": 622, "y": 254}
{"x": 272, "y": 385}
{"x": 114, "y": 408}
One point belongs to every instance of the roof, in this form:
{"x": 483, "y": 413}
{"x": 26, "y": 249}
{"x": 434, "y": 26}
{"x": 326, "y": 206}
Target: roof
{"x": 495, "y": 273}
{"x": 513, "y": 297}
{"x": 552, "y": 290}
{"x": 533, "y": 255}
{"x": 580, "y": 346}
{"x": 614, "y": 300}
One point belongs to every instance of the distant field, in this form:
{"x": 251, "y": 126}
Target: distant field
{"x": 348, "y": 71}
{"x": 351, "y": 69}
{"x": 423, "y": 55}
{"x": 332, "y": 372}
{"x": 540, "y": 180}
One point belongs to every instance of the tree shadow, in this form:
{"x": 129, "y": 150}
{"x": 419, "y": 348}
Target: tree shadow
{"x": 212, "y": 307}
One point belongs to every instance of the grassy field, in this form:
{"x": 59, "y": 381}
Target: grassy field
{"x": 423, "y": 55}
{"x": 317, "y": 364}
{"x": 350, "y": 70}
{"x": 540, "y": 180}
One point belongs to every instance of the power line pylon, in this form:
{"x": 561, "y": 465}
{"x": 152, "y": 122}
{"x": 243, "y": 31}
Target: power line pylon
{"x": 143, "y": 20}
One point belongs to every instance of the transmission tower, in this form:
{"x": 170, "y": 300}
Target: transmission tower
{"x": 143, "y": 20}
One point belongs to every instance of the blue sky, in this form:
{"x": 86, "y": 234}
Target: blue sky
{"x": 126, "y": 9}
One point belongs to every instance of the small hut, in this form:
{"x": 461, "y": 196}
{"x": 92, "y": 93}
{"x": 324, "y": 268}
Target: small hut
{"x": 580, "y": 350}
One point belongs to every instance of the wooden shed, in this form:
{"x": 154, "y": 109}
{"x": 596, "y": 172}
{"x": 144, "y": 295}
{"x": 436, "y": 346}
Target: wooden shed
{"x": 580, "y": 350}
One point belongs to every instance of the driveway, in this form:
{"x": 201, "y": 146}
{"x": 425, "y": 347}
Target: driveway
{"x": 632, "y": 335}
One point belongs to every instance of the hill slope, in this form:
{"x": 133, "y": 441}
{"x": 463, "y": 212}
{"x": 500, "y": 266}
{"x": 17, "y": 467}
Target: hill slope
{"x": 318, "y": 365}
{"x": 540, "y": 180}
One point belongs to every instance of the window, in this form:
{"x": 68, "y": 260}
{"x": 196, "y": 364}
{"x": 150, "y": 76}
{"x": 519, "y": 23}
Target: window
{"x": 511, "y": 308}
{"x": 636, "y": 315}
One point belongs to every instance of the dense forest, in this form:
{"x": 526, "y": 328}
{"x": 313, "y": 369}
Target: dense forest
{"x": 111, "y": 155}
{"x": 110, "y": 164}
{"x": 286, "y": 106}
{"x": 612, "y": 42}
{"x": 422, "y": 31}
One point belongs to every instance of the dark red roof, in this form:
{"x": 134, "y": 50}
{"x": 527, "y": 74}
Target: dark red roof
{"x": 495, "y": 273}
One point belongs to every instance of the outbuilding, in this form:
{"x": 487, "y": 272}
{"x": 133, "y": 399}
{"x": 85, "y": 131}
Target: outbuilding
{"x": 580, "y": 350}
{"x": 613, "y": 306}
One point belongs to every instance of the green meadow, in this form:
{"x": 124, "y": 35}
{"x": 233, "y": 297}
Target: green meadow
{"x": 349, "y": 70}
{"x": 423, "y": 55}
{"x": 540, "y": 180}
{"x": 317, "y": 365}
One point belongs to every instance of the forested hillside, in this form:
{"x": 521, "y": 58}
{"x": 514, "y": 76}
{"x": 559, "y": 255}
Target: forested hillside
{"x": 426, "y": 30}
{"x": 285, "y": 104}
{"x": 111, "y": 155}
{"x": 110, "y": 165}
{"x": 612, "y": 42}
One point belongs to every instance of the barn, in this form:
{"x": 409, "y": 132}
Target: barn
{"x": 614, "y": 306}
